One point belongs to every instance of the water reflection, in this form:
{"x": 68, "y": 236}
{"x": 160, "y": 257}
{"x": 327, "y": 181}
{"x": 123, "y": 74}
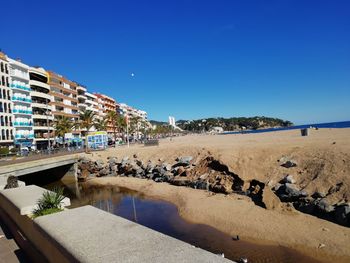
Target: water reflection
{"x": 163, "y": 217}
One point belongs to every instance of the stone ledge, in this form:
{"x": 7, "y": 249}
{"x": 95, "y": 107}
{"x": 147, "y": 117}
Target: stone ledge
{"x": 88, "y": 234}
{"x": 24, "y": 199}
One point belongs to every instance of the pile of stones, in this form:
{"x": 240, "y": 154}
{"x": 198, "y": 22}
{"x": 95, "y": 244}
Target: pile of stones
{"x": 208, "y": 174}
{"x": 316, "y": 203}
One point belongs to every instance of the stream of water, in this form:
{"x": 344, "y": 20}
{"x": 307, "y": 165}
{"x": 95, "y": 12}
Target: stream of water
{"x": 163, "y": 217}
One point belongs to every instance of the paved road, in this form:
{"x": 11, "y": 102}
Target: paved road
{"x": 9, "y": 250}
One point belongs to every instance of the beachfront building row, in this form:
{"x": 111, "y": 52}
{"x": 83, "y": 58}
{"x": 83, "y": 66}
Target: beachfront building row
{"x": 131, "y": 112}
{"x": 31, "y": 98}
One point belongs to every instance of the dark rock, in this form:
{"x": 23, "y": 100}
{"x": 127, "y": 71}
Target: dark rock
{"x": 139, "y": 171}
{"x": 290, "y": 192}
{"x": 103, "y": 172}
{"x": 180, "y": 181}
{"x": 289, "y": 179}
{"x": 342, "y": 214}
{"x": 99, "y": 164}
{"x": 199, "y": 184}
{"x": 135, "y": 156}
{"x": 12, "y": 182}
{"x": 276, "y": 187}
{"x": 323, "y": 206}
{"x": 289, "y": 164}
{"x": 166, "y": 166}
{"x": 183, "y": 161}
{"x": 168, "y": 176}
{"x": 317, "y": 195}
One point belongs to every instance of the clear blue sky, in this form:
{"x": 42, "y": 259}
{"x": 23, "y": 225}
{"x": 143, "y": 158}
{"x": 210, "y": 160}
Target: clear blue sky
{"x": 194, "y": 59}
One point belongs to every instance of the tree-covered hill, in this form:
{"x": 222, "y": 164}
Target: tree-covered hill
{"x": 232, "y": 124}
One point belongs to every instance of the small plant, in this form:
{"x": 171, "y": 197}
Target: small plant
{"x": 49, "y": 203}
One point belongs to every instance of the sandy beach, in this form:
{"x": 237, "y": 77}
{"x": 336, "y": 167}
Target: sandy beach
{"x": 323, "y": 162}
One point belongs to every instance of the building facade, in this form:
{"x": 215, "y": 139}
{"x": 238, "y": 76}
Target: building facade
{"x": 131, "y": 112}
{"x": 6, "y": 117}
{"x": 22, "y": 104}
{"x": 106, "y": 104}
{"x": 42, "y": 110}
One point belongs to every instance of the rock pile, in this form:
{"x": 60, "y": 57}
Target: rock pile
{"x": 316, "y": 203}
{"x": 208, "y": 174}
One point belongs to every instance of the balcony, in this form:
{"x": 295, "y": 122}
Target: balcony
{"x": 22, "y": 124}
{"x": 42, "y": 127}
{"x": 82, "y": 106}
{"x": 41, "y": 95}
{"x": 19, "y": 87}
{"x": 83, "y": 97}
{"x": 20, "y": 136}
{"x": 15, "y": 75}
{"x": 41, "y": 105}
{"x": 39, "y": 84}
{"x": 22, "y": 112}
{"x": 42, "y": 116}
{"x": 21, "y": 100}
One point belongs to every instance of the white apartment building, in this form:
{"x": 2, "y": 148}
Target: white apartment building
{"x": 81, "y": 97}
{"x": 91, "y": 103}
{"x": 21, "y": 99}
{"x": 42, "y": 110}
{"x": 131, "y": 112}
{"x": 6, "y": 106}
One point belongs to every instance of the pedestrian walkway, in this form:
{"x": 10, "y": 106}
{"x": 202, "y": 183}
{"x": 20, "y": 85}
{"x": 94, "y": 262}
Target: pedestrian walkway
{"x": 9, "y": 250}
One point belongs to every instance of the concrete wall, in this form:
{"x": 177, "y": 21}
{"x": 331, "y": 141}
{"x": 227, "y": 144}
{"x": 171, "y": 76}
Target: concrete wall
{"x": 88, "y": 234}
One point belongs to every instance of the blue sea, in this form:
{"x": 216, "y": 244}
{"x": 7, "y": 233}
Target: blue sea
{"x": 341, "y": 124}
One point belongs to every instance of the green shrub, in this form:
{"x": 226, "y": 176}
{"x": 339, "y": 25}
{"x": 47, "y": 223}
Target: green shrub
{"x": 4, "y": 150}
{"x": 49, "y": 203}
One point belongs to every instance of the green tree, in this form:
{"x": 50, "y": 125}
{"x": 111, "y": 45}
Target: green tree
{"x": 117, "y": 123}
{"x": 63, "y": 125}
{"x": 101, "y": 124}
{"x": 87, "y": 121}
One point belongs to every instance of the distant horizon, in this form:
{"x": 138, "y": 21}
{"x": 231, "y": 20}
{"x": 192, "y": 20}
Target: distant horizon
{"x": 194, "y": 59}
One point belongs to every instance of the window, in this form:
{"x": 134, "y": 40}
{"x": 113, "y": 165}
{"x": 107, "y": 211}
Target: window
{"x": 2, "y": 67}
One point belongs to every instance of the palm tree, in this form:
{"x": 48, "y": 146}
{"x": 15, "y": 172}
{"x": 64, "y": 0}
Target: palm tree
{"x": 121, "y": 123}
{"x": 87, "y": 121}
{"x": 112, "y": 117}
{"x": 63, "y": 125}
{"x": 101, "y": 124}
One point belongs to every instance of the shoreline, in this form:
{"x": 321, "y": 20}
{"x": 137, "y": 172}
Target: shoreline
{"x": 216, "y": 210}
